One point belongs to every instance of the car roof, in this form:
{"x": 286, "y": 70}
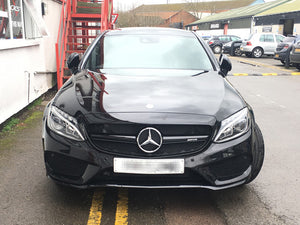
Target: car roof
{"x": 226, "y": 35}
{"x": 150, "y": 30}
{"x": 267, "y": 33}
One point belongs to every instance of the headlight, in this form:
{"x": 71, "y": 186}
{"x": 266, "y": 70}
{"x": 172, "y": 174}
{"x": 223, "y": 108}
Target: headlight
{"x": 234, "y": 126}
{"x": 64, "y": 124}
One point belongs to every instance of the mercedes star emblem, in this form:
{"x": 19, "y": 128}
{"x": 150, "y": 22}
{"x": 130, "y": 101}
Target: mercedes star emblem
{"x": 149, "y": 140}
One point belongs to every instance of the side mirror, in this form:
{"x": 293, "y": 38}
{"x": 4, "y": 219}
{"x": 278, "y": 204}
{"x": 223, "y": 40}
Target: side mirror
{"x": 73, "y": 62}
{"x": 225, "y": 64}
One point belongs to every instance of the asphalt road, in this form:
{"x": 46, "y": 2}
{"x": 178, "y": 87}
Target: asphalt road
{"x": 28, "y": 197}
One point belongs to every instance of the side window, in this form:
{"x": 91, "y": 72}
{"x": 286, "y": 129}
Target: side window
{"x": 224, "y": 38}
{"x": 4, "y": 20}
{"x": 269, "y": 38}
{"x": 19, "y": 21}
{"x": 93, "y": 62}
{"x": 234, "y": 38}
{"x": 262, "y": 38}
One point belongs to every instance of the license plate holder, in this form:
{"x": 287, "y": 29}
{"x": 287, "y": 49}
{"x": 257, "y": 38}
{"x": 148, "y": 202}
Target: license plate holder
{"x": 148, "y": 166}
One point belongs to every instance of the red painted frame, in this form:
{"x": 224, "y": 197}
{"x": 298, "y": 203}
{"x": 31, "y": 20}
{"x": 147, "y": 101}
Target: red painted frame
{"x": 65, "y": 35}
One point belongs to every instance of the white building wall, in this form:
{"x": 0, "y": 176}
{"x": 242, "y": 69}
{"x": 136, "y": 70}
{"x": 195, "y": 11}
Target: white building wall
{"x": 28, "y": 66}
{"x": 243, "y": 33}
{"x": 296, "y": 28}
{"x": 53, "y": 11}
{"x": 210, "y": 32}
{"x": 275, "y": 29}
{"x": 278, "y": 28}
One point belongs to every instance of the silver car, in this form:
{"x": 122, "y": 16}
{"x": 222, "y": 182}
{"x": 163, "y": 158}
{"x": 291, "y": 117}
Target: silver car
{"x": 260, "y": 44}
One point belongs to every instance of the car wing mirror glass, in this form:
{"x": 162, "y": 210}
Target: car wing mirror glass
{"x": 225, "y": 64}
{"x": 73, "y": 62}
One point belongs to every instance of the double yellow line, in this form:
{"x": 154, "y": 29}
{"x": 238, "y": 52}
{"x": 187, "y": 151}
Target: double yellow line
{"x": 121, "y": 217}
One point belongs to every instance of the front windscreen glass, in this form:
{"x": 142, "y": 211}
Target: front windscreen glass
{"x": 148, "y": 52}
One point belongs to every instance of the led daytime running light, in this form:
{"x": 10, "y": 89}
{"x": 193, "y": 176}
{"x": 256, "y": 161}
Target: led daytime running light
{"x": 64, "y": 124}
{"x": 234, "y": 126}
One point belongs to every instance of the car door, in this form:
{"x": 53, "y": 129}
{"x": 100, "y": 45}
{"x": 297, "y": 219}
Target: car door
{"x": 269, "y": 43}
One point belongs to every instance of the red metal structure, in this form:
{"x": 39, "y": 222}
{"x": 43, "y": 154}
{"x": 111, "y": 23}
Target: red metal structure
{"x": 80, "y": 22}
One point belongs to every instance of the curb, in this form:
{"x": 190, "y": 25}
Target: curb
{"x": 285, "y": 72}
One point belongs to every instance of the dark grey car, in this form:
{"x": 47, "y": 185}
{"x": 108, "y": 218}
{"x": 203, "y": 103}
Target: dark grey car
{"x": 283, "y": 49}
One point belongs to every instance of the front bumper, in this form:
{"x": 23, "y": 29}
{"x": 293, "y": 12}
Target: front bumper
{"x": 79, "y": 165}
{"x": 280, "y": 55}
{"x": 246, "y": 49}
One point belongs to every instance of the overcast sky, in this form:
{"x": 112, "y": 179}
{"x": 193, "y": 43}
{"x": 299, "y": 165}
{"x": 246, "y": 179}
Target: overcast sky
{"x": 129, "y": 4}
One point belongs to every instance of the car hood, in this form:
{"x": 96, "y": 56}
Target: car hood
{"x": 140, "y": 93}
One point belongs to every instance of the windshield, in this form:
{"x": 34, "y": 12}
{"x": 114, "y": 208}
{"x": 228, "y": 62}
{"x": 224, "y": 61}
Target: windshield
{"x": 148, "y": 52}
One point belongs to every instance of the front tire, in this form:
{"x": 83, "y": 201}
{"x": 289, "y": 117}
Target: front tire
{"x": 237, "y": 51}
{"x": 248, "y": 54}
{"x": 298, "y": 66}
{"x": 258, "y": 154}
{"x": 217, "y": 49}
{"x": 257, "y": 52}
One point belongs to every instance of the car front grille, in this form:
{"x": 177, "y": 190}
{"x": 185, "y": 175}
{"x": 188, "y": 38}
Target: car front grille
{"x": 121, "y": 139}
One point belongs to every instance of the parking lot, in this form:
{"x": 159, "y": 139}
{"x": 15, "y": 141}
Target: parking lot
{"x": 29, "y": 197}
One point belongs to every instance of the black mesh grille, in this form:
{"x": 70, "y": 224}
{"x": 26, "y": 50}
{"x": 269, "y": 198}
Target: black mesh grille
{"x": 64, "y": 165}
{"x": 230, "y": 168}
{"x": 177, "y": 139}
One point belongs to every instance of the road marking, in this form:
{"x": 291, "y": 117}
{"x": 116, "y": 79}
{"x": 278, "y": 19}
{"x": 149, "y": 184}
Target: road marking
{"x": 240, "y": 74}
{"x": 122, "y": 207}
{"x": 259, "y": 64}
{"x": 96, "y": 208}
{"x": 269, "y": 74}
{"x": 296, "y": 74}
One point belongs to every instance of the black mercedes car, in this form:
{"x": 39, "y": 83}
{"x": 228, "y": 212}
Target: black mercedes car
{"x": 150, "y": 107}
{"x": 216, "y": 42}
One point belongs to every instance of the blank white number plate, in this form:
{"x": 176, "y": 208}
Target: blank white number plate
{"x": 149, "y": 166}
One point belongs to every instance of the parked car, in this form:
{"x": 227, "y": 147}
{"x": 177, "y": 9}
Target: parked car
{"x": 283, "y": 49}
{"x": 259, "y": 44}
{"x": 156, "y": 111}
{"x": 233, "y": 48}
{"x": 216, "y": 42}
{"x": 206, "y": 37}
{"x": 295, "y": 55}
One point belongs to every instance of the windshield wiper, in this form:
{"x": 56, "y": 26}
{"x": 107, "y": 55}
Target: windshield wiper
{"x": 202, "y": 72}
